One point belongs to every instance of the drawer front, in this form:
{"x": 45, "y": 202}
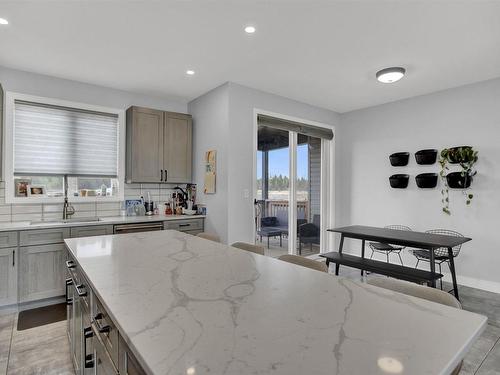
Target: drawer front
{"x": 8, "y": 239}
{"x": 94, "y": 230}
{"x": 184, "y": 225}
{"x": 43, "y": 236}
{"x": 107, "y": 331}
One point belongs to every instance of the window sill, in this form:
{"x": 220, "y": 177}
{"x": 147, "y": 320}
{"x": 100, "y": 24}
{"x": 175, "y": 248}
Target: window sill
{"x": 56, "y": 200}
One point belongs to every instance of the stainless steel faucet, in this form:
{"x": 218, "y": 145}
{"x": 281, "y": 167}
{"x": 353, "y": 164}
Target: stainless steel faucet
{"x": 68, "y": 209}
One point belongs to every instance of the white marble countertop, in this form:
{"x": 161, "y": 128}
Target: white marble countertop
{"x": 28, "y": 225}
{"x": 186, "y": 305}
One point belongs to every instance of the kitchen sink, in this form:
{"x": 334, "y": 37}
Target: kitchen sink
{"x": 61, "y": 221}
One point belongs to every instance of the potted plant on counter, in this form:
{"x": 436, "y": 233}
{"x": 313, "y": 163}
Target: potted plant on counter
{"x": 466, "y": 157}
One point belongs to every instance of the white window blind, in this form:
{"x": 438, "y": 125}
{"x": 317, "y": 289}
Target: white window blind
{"x": 52, "y": 140}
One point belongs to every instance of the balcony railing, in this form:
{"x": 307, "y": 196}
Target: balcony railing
{"x": 279, "y": 209}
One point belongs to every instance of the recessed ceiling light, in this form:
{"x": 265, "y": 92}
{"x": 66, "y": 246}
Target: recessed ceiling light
{"x": 250, "y": 29}
{"x": 390, "y": 75}
{"x": 190, "y": 72}
{"x": 3, "y": 21}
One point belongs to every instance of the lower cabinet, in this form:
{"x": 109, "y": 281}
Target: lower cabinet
{"x": 90, "y": 231}
{"x": 41, "y": 272}
{"x": 127, "y": 364}
{"x": 8, "y": 276}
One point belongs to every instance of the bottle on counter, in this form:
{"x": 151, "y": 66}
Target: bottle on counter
{"x": 168, "y": 209}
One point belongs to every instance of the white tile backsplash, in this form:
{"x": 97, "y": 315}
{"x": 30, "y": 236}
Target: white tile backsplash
{"x": 33, "y": 212}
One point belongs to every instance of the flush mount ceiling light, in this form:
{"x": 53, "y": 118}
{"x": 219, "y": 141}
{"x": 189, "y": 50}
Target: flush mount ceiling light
{"x": 390, "y": 75}
{"x": 3, "y": 21}
{"x": 190, "y": 72}
{"x": 250, "y": 29}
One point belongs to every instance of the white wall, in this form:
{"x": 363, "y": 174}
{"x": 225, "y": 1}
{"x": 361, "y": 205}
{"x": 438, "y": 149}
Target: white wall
{"x": 211, "y": 132}
{"x": 52, "y": 87}
{"x": 469, "y": 115}
{"x": 242, "y": 102}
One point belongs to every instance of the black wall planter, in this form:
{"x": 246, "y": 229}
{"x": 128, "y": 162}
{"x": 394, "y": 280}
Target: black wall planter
{"x": 399, "y": 159}
{"x": 426, "y": 180}
{"x": 426, "y": 157}
{"x": 455, "y": 180}
{"x": 399, "y": 181}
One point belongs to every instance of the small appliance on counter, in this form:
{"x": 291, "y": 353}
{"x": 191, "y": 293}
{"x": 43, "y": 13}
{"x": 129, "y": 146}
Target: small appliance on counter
{"x": 149, "y": 205}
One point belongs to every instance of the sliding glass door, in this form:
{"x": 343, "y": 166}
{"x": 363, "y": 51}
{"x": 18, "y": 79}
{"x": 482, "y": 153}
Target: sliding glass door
{"x": 290, "y": 195}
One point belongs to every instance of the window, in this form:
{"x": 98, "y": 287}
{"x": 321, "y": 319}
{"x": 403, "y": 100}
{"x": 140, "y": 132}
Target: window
{"x": 51, "y": 144}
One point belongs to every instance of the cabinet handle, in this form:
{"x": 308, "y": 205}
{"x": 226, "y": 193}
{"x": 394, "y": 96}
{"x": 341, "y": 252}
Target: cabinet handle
{"x": 166, "y": 175}
{"x": 79, "y": 292}
{"x": 101, "y": 329}
{"x": 13, "y": 258}
{"x": 69, "y": 282}
{"x": 87, "y": 333}
{"x": 184, "y": 225}
{"x": 161, "y": 170}
{"x": 70, "y": 264}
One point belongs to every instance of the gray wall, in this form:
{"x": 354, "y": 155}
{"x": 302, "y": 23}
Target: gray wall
{"x": 468, "y": 115}
{"x": 41, "y": 85}
{"x": 52, "y": 87}
{"x": 211, "y": 132}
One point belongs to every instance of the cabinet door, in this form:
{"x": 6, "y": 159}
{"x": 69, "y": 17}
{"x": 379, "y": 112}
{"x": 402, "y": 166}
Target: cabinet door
{"x": 41, "y": 272}
{"x": 144, "y": 145}
{"x": 127, "y": 362}
{"x": 177, "y": 148}
{"x": 8, "y": 276}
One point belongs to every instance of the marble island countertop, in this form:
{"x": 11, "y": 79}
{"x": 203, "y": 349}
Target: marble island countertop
{"x": 28, "y": 225}
{"x": 186, "y": 305}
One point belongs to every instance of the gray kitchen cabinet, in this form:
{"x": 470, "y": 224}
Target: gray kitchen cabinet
{"x": 144, "y": 145}
{"x": 1, "y": 130}
{"x": 92, "y": 230}
{"x": 159, "y": 146}
{"x": 127, "y": 363}
{"x": 8, "y": 239}
{"x": 41, "y": 272}
{"x": 185, "y": 225}
{"x": 43, "y": 236}
{"x": 8, "y": 276}
{"x": 177, "y": 148}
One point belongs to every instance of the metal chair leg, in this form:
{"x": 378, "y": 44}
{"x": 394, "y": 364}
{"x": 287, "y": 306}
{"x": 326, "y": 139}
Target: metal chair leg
{"x": 400, "y": 259}
{"x": 418, "y": 261}
{"x": 441, "y": 278}
{"x": 387, "y": 255}
{"x": 371, "y": 256}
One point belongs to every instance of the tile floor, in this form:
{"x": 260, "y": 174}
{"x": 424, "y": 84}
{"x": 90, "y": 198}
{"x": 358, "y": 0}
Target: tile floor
{"x": 45, "y": 350}
{"x": 42, "y": 350}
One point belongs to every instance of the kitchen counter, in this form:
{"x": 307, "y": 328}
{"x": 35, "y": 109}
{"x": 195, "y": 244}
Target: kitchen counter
{"x": 27, "y": 225}
{"x": 186, "y": 305}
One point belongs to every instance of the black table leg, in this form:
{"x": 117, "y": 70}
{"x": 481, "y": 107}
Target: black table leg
{"x": 453, "y": 274}
{"x": 433, "y": 267}
{"x": 341, "y": 246}
{"x": 362, "y": 253}
{"x": 281, "y": 240}
{"x": 327, "y": 264}
{"x": 268, "y": 241}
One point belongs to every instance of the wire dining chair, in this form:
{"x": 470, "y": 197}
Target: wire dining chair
{"x": 387, "y": 249}
{"x": 440, "y": 254}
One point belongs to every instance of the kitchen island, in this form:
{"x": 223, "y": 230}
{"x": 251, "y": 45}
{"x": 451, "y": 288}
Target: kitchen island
{"x": 185, "y": 305}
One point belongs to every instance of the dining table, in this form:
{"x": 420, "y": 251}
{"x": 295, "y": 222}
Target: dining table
{"x": 418, "y": 240}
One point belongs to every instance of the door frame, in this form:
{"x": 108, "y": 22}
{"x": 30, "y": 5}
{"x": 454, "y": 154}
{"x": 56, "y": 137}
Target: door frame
{"x": 327, "y": 198}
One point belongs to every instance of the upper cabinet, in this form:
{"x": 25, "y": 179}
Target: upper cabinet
{"x": 159, "y": 146}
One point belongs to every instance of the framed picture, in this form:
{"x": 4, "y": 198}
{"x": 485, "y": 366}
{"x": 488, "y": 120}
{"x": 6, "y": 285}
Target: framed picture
{"x": 21, "y": 186}
{"x": 210, "y": 172}
{"x": 36, "y": 190}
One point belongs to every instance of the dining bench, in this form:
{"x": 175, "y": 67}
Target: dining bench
{"x": 382, "y": 268}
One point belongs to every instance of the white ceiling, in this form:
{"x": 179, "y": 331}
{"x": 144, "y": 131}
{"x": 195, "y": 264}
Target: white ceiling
{"x": 322, "y": 53}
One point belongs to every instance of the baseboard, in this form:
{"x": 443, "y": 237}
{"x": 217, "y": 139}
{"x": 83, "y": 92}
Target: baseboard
{"x": 490, "y": 286}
